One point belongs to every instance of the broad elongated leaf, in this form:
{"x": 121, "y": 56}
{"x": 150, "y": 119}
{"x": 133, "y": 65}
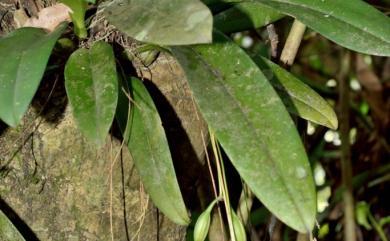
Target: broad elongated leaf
{"x": 92, "y": 88}
{"x": 298, "y": 98}
{"x": 253, "y": 127}
{"x": 149, "y": 148}
{"x": 163, "y": 22}
{"x": 25, "y": 53}
{"x": 353, "y": 24}
{"x": 8, "y": 232}
{"x": 244, "y": 16}
{"x": 79, "y": 7}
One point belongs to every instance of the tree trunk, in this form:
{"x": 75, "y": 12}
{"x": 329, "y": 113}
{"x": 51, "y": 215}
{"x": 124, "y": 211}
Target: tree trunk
{"x": 54, "y": 185}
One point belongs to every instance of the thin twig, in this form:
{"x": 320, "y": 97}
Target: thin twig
{"x": 346, "y": 166}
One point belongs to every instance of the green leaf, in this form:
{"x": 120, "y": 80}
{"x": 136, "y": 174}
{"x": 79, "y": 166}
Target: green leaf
{"x": 253, "y": 127}
{"x": 245, "y": 16}
{"x": 239, "y": 229}
{"x": 23, "y": 59}
{"x": 92, "y": 87}
{"x": 362, "y": 212}
{"x": 163, "y": 22}
{"x": 352, "y": 24}
{"x": 298, "y": 98}
{"x": 202, "y": 225}
{"x": 78, "y": 7}
{"x": 8, "y": 232}
{"x": 149, "y": 148}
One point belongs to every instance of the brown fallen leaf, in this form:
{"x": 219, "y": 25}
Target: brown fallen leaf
{"x": 49, "y": 18}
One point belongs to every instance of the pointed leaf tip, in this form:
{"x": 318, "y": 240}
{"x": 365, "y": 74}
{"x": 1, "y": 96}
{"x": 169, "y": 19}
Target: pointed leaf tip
{"x": 253, "y": 127}
{"x": 92, "y": 88}
{"x": 298, "y": 98}
{"x": 149, "y": 149}
{"x": 25, "y": 53}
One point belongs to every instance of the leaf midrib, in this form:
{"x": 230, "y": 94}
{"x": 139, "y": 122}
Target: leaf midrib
{"x": 263, "y": 145}
{"x": 301, "y": 100}
{"x": 154, "y": 160}
{"x": 15, "y": 88}
{"x": 324, "y": 13}
{"x": 95, "y": 88}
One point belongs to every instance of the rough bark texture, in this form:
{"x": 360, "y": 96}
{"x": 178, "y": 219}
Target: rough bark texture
{"x": 54, "y": 185}
{"x": 59, "y": 185}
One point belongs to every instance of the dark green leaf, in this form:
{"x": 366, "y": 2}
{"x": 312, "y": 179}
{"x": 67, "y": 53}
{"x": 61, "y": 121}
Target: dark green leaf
{"x": 245, "y": 16}
{"x": 253, "y": 127}
{"x": 8, "y": 232}
{"x": 352, "y": 24}
{"x": 163, "y": 22}
{"x": 149, "y": 148}
{"x": 23, "y": 59}
{"x": 78, "y": 7}
{"x": 92, "y": 87}
{"x": 298, "y": 98}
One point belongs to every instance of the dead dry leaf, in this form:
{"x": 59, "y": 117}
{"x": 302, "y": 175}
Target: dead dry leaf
{"x": 49, "y": 18}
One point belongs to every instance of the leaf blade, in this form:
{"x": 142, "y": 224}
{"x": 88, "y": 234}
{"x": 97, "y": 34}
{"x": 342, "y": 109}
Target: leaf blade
{"x": 242, "y": 108}
{"x": 298, "y": 98}
{"x": 149, "y": 148}
{"x": 92, "y": 87}
{"x": 78, "y": 7}
{"x": 245, "y": 16}
{"x": 164, "y": 22}
{"x": 21, "y": 69}
{"x": 352, "y": 24}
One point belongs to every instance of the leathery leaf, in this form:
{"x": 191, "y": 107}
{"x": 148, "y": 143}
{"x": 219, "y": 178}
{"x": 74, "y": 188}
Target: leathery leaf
{"x": 352, "y": 24}
{"x": 253, "y": 127}
{"x": 92, "y": 87}
{"x": 298, "y": 98}
{"x": 26, "y": 52}
{"x": 78, "y": 7}
{"x": 163, "y": 22}
{"x": 245, "y": 16}
{"x": 149, "y": 149}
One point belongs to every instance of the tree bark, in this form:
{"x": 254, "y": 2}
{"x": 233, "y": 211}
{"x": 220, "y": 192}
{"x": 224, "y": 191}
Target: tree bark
{"x": 54, "y": 185}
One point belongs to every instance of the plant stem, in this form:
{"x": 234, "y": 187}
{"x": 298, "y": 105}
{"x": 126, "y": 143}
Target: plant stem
{"x": 346, "y": 166}
{"x": 377, "y": 227}
{"x": 222, "y": 184}
{"x": 292, "y": 43}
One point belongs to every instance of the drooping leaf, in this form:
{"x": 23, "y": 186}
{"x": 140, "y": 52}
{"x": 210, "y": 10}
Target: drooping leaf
{"x": 149, "y": 149}
{"x": 245, "y": 16}
{"x": 253, "y": 127}
{"x": 92, "y": 88}
{"x": 298, "y": 98}
{"x": 78, "y": 7}
{"x": 8, "y": 232}
{"x": 25, "y": 53}
{"x": 352, "y": 24}
{"x": 163, "y": 22}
